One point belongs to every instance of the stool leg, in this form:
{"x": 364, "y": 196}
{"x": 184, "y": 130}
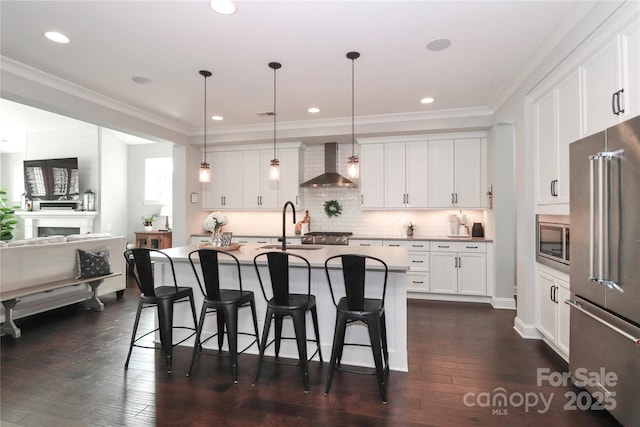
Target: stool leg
{"x": 133, "y": 334}
{"x": 196, "y": 345}
{"x": 385, "y": 348}
{"x": 263, "y": 346}
{"x": 254, "y": 314}
{"x": 299, "y": 324}
{"x": 314, "y": 316}
{"x": 336, "y": 350}
{"x": 165, "y": 322}
{"x": 231, "y": 317}
{"x": 278, "y": 337}
{"x": 220, "y": 317}
{"x": 375, "y": 337}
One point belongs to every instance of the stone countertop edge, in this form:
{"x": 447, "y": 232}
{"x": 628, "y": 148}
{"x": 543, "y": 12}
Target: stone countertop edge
{"x": 364, "y": 237}
{"x": 397, "y": 259}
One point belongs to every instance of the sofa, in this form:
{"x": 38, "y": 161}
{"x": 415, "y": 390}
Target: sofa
{"x": 42, "y": 273}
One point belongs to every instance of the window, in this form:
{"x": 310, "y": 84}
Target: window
{"x": 158, "y": 180}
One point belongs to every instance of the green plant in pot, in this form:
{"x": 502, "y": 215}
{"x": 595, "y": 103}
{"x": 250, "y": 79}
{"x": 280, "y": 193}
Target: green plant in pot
{"x": 7, "y": 217}
{"x": 147, "y": 221}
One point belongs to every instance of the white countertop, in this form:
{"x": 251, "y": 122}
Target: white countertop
{"x": 396, "y": 258}
{"x": 369, "y": 237}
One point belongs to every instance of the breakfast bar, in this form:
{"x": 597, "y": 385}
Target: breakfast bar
{"x": 396, "y": 258}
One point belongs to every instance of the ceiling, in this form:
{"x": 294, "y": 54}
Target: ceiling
{"x": 168, "y": 42}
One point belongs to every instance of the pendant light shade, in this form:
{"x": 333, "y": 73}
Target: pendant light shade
{"x": 205, "y": 172}
{"x": 353, "y": 164}
{"x": 274, "y": 167}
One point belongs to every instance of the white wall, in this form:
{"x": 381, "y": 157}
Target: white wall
{"x": 112, "y": 194}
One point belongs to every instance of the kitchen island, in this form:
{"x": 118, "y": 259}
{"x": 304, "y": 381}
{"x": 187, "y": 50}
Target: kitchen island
{"x": 397, "y": 260}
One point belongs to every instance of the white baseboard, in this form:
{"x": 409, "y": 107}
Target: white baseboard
{"x": 448, "y": 297}
{"x": 503, "y": 303}
{"x": 525, "y": 330}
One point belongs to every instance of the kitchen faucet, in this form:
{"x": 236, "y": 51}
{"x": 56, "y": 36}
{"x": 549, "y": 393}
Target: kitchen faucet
{"x": 284, "y": 220}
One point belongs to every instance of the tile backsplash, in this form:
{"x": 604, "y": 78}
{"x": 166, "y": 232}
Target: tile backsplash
{"x": 387, "y": 223}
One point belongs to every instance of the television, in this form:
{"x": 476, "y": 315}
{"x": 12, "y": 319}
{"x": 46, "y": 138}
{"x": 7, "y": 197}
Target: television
{"x": 52, "y": 179}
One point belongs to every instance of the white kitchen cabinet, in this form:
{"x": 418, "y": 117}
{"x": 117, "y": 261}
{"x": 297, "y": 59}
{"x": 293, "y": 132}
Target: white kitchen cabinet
{"x": 610, "y": 82}
{"x": 456, "y": 173}
{"x": 557, "y": 125}
{"x": 418, "y": 277}
{"x": 290, "y": 177}
{"x": 225, "y": 189}
{"x": 259, "y": 192}
{"x": 552, "y": 314}
{"x": 406, "y": 175}
{"x": 458, "y": 268}
{"x": 372, "y": 175}
{"x": 364, "y": 242}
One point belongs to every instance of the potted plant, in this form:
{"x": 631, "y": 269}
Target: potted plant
{"x": 147, "y": 221}
{"x": 7, "y": 217}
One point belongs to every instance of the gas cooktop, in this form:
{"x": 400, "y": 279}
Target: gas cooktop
{"x": 326, "y": 238}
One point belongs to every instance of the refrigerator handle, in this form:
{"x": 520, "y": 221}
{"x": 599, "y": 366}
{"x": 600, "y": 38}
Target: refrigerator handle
{"x": 576, "y": 304}
{"x": 600, "y": 216}
{"x": 592, "y": 216}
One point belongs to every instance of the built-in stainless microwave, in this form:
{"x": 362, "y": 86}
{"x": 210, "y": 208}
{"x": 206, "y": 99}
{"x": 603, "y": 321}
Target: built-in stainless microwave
{"x": 552, "y": 241}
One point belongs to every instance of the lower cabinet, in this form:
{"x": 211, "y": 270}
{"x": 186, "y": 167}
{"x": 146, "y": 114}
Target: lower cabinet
{"x": 418, "y": 274}
{"x": 459, "y": 268}
{"x": 552, "y": 314}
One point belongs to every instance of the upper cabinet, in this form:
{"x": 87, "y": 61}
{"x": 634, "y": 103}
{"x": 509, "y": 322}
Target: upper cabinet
{"x": 240, "y": 178}
{"x": 610, "y": 81}
{"x": 423, "y": 171}
{"x": 456, "y": 173}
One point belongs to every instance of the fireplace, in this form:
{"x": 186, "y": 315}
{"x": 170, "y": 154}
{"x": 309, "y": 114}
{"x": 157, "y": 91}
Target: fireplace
{"x": 81, "y": 222}
{"x": 57, "y": 231}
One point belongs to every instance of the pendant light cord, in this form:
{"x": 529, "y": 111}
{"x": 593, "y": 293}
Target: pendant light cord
{"x": 353, "y": 132}
{"x": 274, "y": 112}
{"x": 204, "y": 121}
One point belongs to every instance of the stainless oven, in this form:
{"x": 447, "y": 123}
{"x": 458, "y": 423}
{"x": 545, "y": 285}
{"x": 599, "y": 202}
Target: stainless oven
{"x": 552, "y": 241}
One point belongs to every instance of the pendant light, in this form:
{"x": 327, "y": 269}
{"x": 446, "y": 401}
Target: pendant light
{"x": 353, "y": 162}
{"x": 274, "y": 168}
{"x": 205, "y": 171}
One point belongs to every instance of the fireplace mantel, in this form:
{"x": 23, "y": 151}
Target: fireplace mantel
{"x": 56, "y": 218}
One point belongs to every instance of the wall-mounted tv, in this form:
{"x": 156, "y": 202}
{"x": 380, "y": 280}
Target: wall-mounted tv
{"x": 52, "y": 179}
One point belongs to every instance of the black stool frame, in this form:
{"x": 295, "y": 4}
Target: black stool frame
{"x": 163, "y": 297}
{"x": 355, "y": 306}
{"x": 225, "y": 303}
{"x": 283, "y": 303}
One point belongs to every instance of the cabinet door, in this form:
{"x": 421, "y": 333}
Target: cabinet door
{"x": 417, "y": 174}
{"x": 468, "y": 165}
{"x": 630, "y": 45}
{"x": 600, "y": 81}
{"x": 289, "y": 185}
{"x": 563, "y": 293}
{"x": 547, "y": 147}
{"x": 213, "y": 192}
{"x": 232, "y": 179}
{"x": 546, "y": 313}
{"x": 441, "y": 174}
{"x": 568, "y": 120}
{"x": 443, "y": 273}
{"x": 394, "y": 175}
{"x": 418, "y": 281}
{"x": 472, "y": 274}
{"x": 251, "y": 179}
{"x": 372, "y": 175}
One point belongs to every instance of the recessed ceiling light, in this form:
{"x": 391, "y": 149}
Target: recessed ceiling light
{"x": 223, "y": 7}
{"x": 141, "y": 80}
{"x": 438, "y": 44}
{"x": 217, "y": 118}
{"x": 54, "y": 36}
{"x": 427, "y": 100}
{"x": 314, "y": 110}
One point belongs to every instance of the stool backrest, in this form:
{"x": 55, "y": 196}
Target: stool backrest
{"x": 278, "y": 265}
{"x": 354, "y": 274}
{"x": 140, "y": 265}
{"x": 210, "y": 270}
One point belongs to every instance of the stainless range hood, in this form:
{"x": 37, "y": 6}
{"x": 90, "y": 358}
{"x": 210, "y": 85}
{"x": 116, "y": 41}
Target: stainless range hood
{"x": 330, "y": 178}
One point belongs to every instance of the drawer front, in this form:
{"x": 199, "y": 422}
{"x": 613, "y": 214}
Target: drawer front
{"x": 263, "y": 240}
{"x": 418, "y": 282}
{"x": 412, "y": 245}
{"x": 441, "y": 246}
{"x": 364, "y": 242}
{"x": 418, "y": 261}
{"x": 195, "y": 240}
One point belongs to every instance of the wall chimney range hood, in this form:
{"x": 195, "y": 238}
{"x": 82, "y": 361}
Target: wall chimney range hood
{"x": 330, "y": 178}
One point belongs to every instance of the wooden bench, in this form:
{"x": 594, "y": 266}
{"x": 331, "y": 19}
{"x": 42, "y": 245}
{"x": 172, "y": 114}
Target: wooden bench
{"x": 10, "y": 298}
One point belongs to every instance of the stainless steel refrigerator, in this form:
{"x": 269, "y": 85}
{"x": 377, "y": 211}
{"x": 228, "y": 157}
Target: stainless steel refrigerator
{"x": 605, "y": 268}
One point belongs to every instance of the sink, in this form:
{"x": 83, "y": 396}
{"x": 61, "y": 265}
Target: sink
{"x": 296, "y": 247}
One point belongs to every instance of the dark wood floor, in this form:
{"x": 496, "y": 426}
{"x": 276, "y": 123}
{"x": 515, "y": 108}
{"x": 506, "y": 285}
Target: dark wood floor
{"x": 67, "y": 370}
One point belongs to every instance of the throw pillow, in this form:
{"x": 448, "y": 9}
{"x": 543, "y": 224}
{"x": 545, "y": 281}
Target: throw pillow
{"x": 93, "y": 264}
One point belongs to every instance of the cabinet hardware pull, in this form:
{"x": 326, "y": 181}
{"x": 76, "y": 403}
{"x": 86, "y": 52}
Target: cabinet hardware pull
{"x": 362, "y": 199}
{"x": 417, "y": 282}
{"x": 472, "y": 247}
{"x": 417, "y": 261}
{"x": 443, "y": 246}
{"x": 394, "y": 245}
{"x": 365, "y": 244}
{"x": 417, "y": 246}
{"x": 613, "y": 103}
{"x": 620, "y": 110}
{"x": 452, "y": 202}
{"x": 459, "y": 262}
{"x": 296, "y": 200}
{"x": 456, "y": 198}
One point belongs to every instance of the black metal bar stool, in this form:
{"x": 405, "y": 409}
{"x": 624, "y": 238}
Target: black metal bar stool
{"x": 162, "y": 297}
{"x": 356, "y": 306}
{"x": 224, "y": 302}
{"x": 283, "y": 303}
